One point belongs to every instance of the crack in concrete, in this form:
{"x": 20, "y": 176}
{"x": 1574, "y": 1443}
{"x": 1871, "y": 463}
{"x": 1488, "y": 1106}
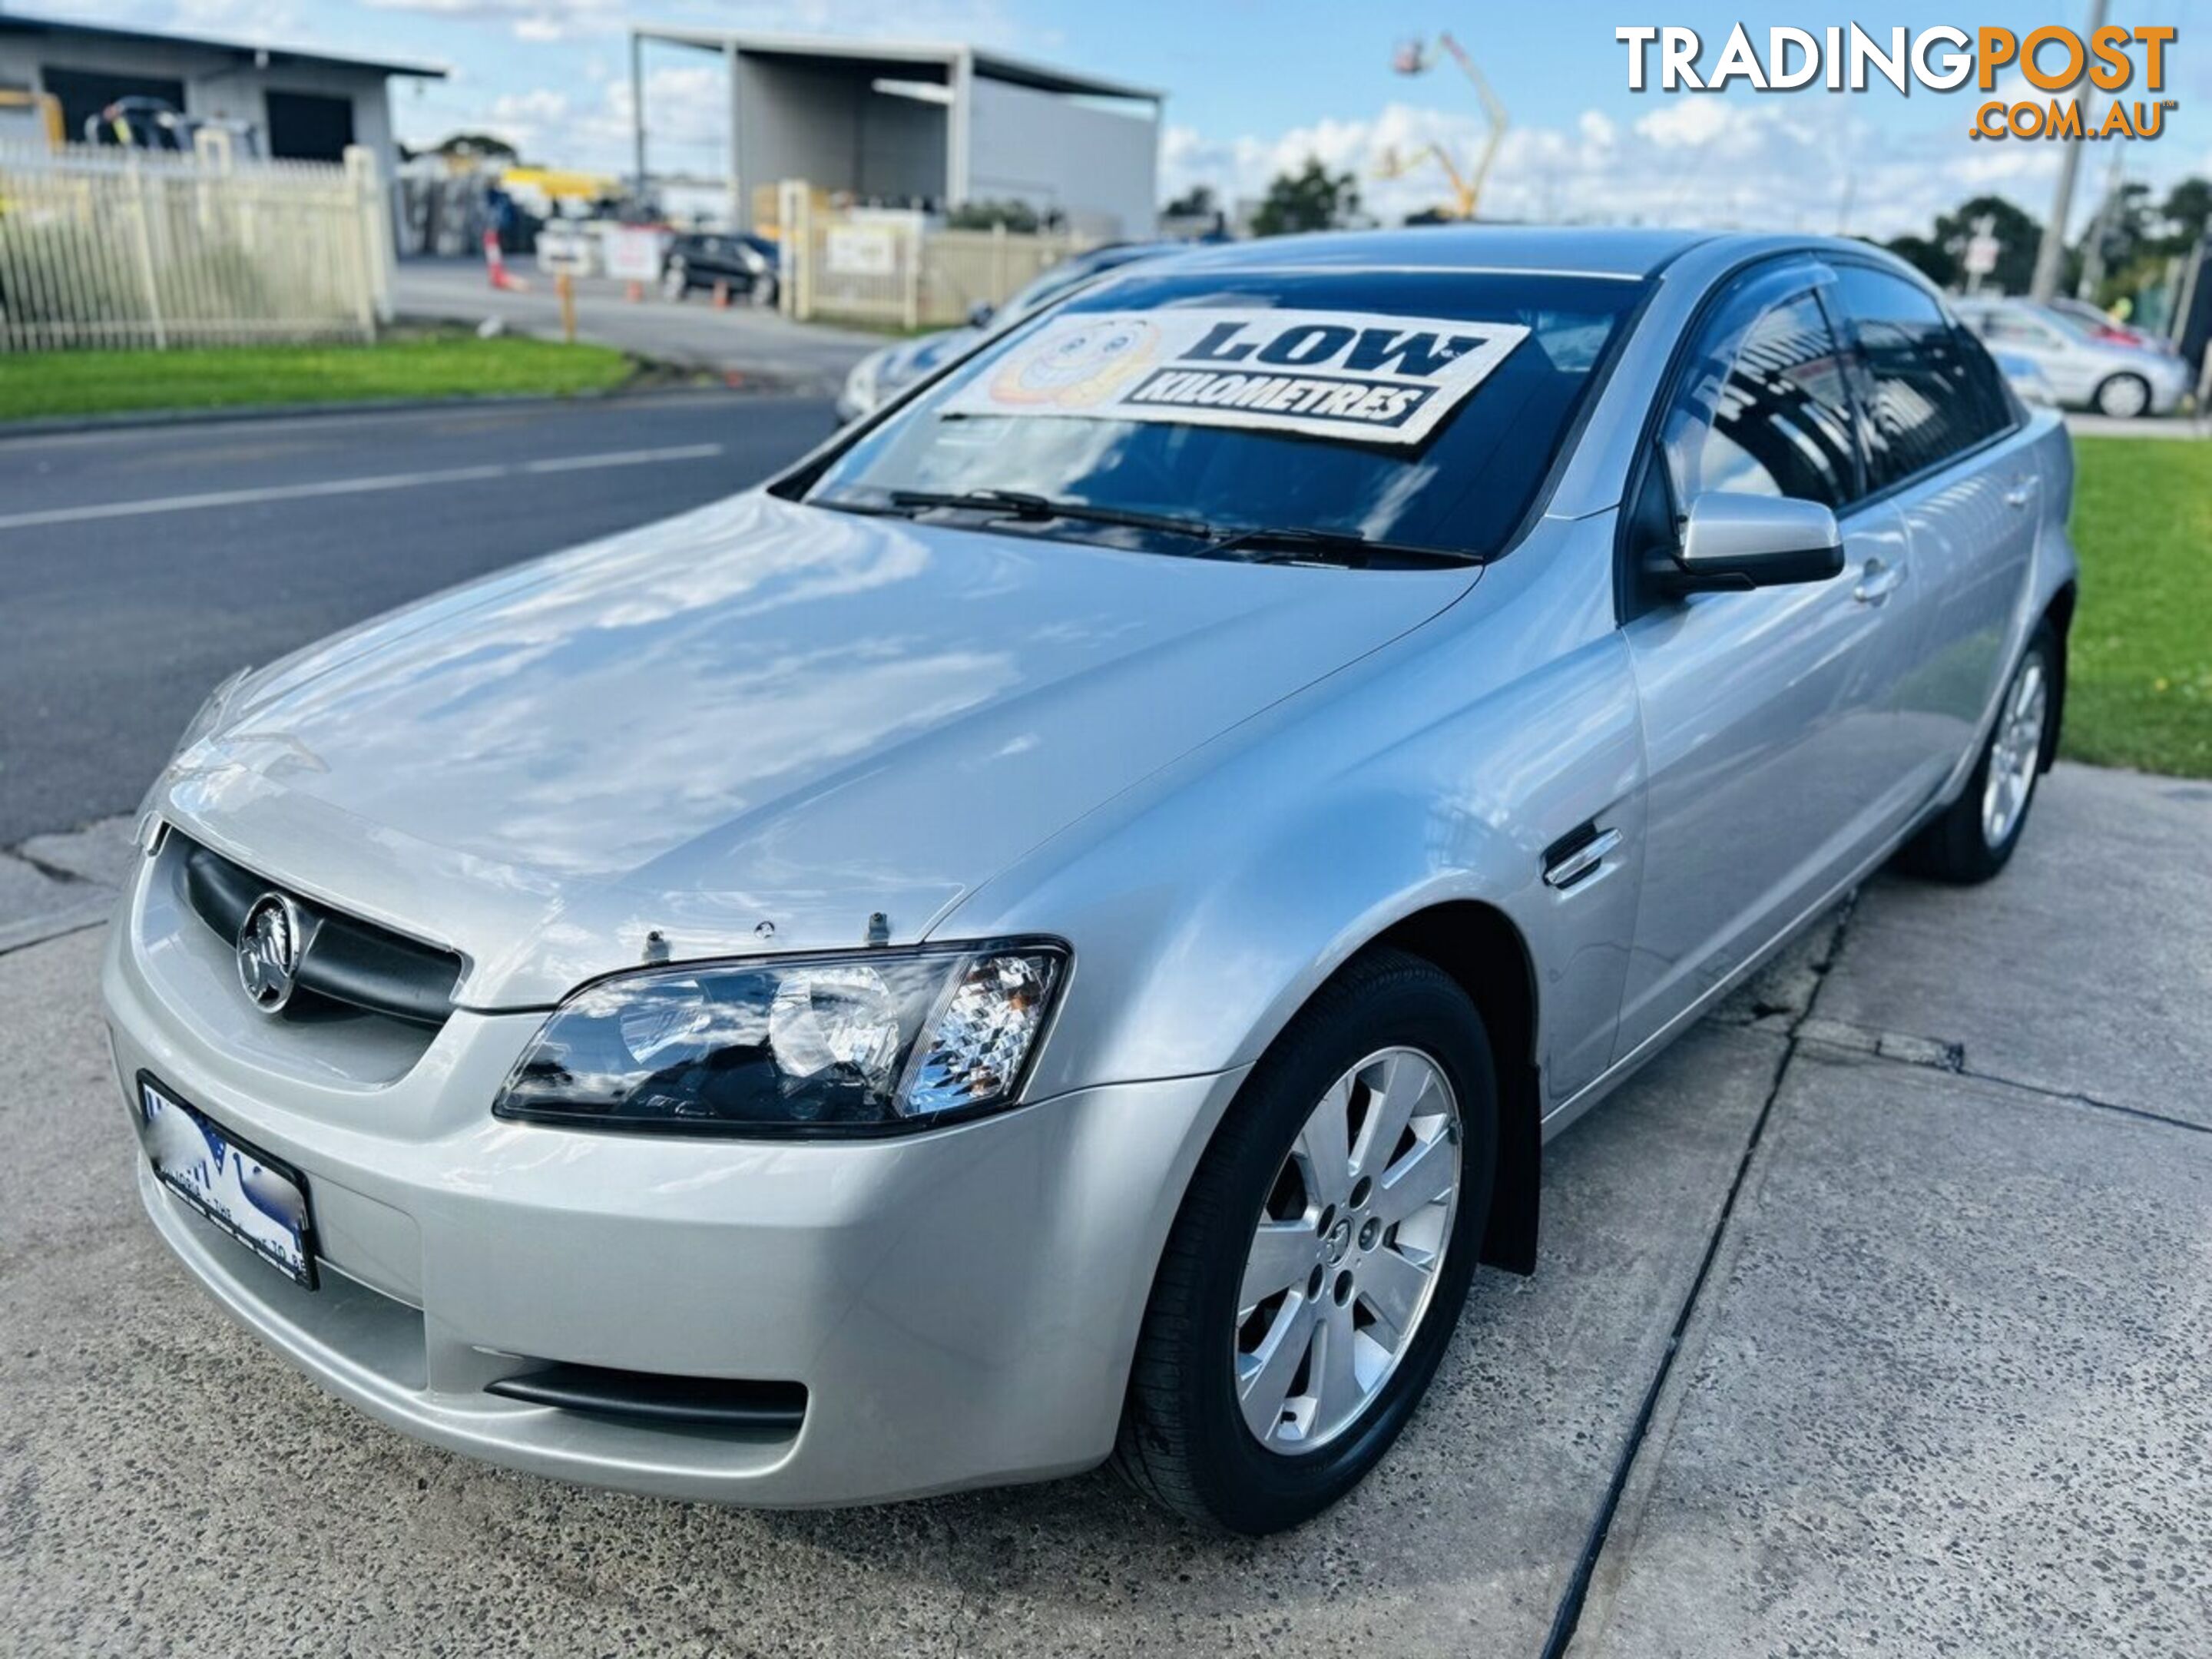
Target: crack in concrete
{"x": 40, "y": 930}
{"x": 1568, "y": 1617}
{"x": 53, "y": 872}
{"x": 1943, "y": 1055}
{"x": 1805, "y": 1029}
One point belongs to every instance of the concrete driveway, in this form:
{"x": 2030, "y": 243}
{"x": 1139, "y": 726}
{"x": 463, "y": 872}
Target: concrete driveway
{"x": 1875, "y": 1317}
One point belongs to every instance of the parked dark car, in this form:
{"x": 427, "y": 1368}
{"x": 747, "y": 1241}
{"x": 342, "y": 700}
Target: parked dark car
{"x": 748, "y": 263}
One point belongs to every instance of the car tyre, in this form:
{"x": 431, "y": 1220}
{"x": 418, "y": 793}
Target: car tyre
{"x": 1186, "y": 1440}
{"x": 2123, "y": 396}
{"x": 1973, "y": 838}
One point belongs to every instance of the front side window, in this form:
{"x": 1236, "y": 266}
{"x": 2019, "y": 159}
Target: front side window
{"x": 1463, "y": 488}
{"x": 1762, "y": 409}
{"x": 1930, "y": 388}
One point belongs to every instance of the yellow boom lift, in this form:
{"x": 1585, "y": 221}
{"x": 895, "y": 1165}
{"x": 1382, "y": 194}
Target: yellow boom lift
{"x": 1415, "y": 58}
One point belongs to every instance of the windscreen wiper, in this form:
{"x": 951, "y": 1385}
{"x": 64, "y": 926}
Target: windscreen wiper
{"x": 1021, "y": 504}
{"x": 1261, "y": 544}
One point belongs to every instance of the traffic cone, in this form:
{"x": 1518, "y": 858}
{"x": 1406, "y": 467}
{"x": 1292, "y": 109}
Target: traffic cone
{"x": 495, "y": 265}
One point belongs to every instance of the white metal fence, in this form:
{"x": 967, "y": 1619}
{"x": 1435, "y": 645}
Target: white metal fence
{"x": 893, "y": 268}
{"x": 114, "y": 247}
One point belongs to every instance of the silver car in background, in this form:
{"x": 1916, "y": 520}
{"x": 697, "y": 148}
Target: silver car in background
{"x": 2083, "y": 369}
{"x": 1058, "y": 929}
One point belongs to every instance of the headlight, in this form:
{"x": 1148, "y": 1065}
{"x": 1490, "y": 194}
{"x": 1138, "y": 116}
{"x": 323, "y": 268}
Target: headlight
{"x": 870, "y": 1044}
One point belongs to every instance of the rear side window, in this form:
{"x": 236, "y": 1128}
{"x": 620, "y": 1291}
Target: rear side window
{"x": 1764, "y": 408}
{"x": 1931, "y": 389}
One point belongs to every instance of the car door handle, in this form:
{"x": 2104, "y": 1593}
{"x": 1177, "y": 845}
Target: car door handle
{"x": 1877, "y": 582}
{"x": 2021, "y": 494}
{"x": 1580, "y": 857}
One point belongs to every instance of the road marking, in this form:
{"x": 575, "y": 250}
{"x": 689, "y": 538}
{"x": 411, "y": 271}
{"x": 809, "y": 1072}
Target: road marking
{"x": 624, "y": 458}
{"x": 354, "y": 486}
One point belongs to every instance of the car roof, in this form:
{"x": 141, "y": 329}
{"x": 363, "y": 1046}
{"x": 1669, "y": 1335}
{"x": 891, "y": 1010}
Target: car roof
{"x": 1557, "y": 250}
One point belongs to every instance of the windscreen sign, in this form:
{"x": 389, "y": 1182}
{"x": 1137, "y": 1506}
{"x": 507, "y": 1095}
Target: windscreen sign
{"x": 1361, "y": 376}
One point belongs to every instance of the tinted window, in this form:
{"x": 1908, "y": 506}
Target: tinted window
{"x": 2010, "y": 328}
{"x": 1931, "y": 388}
{"x": 1464, "y": 488}
{"x": 1762, "y": 409}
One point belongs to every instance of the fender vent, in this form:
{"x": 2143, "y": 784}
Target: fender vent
{"x": 646, "y": 1396}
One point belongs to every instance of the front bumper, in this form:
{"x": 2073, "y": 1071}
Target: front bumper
{"x": 960, "y": 1306}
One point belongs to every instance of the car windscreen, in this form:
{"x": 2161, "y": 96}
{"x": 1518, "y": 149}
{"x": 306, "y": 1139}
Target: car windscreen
{"x": 1266, "y": 399}
{"x": 1043, "y": 290}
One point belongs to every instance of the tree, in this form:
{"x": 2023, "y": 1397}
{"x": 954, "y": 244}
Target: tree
{"x": 1926, "y": 257}
{"x": 2018, "y": 233}
{"x": 1196, "y": 203}
{"x": 1015, "y": 216}
{"x": 2187, "y": 211}
{"x": 481, "y": 146}
{"x": 1312, "y": 199}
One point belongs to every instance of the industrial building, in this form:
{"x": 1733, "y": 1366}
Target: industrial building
{"x": 928, "y": 126}
{"x": 299, "y": 105}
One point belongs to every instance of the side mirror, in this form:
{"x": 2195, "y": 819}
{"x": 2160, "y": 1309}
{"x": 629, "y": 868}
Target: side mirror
{"x": 980, "y": 313}
{"x": 1733, "y": 542}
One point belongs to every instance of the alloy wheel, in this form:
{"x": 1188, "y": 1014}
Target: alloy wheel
{"x": 1344, "y": 1259}
{"x": 2015, "y": 752}
{"x": 2125, "y": 397}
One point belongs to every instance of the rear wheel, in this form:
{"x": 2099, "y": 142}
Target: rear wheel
{"x": 2123, "y": 396}
{"x": 1974, "y": 836}
{"x": 1323, "y": 1254}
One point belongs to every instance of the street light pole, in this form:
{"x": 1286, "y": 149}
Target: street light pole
{"x": 638, "y": 107}
{"x": 2052, "y": 252}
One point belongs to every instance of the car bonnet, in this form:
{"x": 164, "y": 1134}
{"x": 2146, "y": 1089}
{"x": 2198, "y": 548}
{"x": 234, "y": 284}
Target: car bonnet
{"x": 753, "y": 727}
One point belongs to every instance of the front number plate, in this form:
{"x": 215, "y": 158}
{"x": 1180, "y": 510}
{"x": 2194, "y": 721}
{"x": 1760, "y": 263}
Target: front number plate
{"x": 261, "y": 1202}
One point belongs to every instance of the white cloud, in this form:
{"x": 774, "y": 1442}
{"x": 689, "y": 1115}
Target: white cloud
{"x": 528, "y": 20}
{"x": 1815, "y": 165}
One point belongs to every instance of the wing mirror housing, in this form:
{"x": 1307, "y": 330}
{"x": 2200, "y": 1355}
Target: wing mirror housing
{"x": 980, "y": 313}
{"x": 1732, "y": 544}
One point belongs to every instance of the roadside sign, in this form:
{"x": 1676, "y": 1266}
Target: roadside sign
{"x": 860, "y": 250}
{"x": 1981, "y": 255}
{"x": 633, "y": 255}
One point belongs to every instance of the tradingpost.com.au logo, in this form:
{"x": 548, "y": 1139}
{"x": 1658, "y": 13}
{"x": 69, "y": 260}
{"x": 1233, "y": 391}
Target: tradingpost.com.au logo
{"x": 1846, "y": 58}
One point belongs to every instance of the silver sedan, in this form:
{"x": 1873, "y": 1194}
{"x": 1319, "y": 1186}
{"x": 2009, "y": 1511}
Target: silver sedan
{"x": 2086, "y": 366}
{"x": 1058, "y": 930}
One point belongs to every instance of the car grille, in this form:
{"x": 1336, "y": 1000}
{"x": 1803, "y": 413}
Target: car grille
{"x": 347, "y": 960}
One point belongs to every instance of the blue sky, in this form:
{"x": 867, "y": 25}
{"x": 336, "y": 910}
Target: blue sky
{"x": 1255, "y": 85}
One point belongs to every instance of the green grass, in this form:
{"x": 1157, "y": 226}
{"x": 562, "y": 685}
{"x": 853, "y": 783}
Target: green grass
{"x": 66, "y": 383}
{"x": 2139, "y": 660}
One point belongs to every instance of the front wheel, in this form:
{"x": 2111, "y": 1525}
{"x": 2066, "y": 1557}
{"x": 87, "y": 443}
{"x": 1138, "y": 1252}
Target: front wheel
{"x": 1973, "y": 838}
{"x": 2123, "y": 396}
{"x": 1321, "y": 1256}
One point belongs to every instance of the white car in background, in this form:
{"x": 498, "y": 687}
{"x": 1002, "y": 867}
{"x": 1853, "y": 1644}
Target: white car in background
{"x": 2083, "y": 371}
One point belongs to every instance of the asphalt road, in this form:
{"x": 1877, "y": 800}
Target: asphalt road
{"x": 138, "y": 567}
{"x": 742, "y": 340}
{"x": 1872, "y": 1319}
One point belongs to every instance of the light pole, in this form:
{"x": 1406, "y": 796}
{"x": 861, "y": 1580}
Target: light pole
{"x": 2052, "y": 252}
